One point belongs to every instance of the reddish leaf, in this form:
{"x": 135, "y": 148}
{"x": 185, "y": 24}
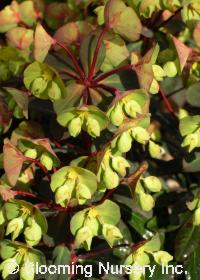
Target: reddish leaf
{"x": 123, "y": 20}
{"x": 183, "y": 52}
{"x": 13, "y": 160}
{"x": 42, "y": 43}
{"x": 144, "y": 70}
{"x": 57, "y": 14}
{"x": 20, "y": 37}
{"x": 27, "y": 130}
{"x": 6, "y": 193}
{"x": 73, "y": 32}
{"x": 5, "y": 115}
{"x": 9, "y": 17}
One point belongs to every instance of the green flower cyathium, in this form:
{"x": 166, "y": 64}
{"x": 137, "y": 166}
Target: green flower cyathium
{"x": 190, "y": 130}
{"x": 124, "y": 139}
{"x": 96, "y": 221}
{"x": 22, "y": 217}
{"x": 158, "y": 76}
{"x": 171, "y": 68}
{"x": 130, "y": 105}
{"x": 73, "y": 185}
{"x": 143, "y": 191}
{"x": 112, "y": 166}
{"x": 33, "y": 233}
{"x": 18, "y": 256}
{"x": 89, "y": 118}
{"x": 12, "y": 63}
{"x": 40, "y": 150}
{"x": 144, "y": 256}
{"x": 43, "y": 81}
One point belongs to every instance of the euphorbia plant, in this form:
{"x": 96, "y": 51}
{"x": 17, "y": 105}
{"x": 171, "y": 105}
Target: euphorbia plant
{"x": 100, "y": 125}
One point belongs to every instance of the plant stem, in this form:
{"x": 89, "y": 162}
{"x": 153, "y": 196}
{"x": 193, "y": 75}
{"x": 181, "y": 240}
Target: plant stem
{"x": 96, "y": 52}
{"x": 131, "y": 180}
{"x": 38, "y": 163}
{"x": 45, "y": 202}
{"x": 112, "y": 90}
{"x": 115, "y": 71}
{"x": 168, "y": 20}
{"x": 73, "y": 59}
{"x": 107, "y": 250}
{"x": 169, "y": 107}
{"x": 63, "y": 71}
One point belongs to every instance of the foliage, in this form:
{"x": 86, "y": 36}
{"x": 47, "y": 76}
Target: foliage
{"x": 100, "y": 135}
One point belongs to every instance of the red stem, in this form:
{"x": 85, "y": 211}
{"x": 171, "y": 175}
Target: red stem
{"x": 169, "y": 107}
{"x": 115, "y": 71}
{"x": 98, "y": 46}
{"x": 38, "y": 163}
{"x": 107, "y": 250}
{"x": 113, "y": 90}
{"x": 45, "y": 202}
{"x": 73, "y": 59}
{"x": 107, "y": 196}
{"x": 63, "y": 71}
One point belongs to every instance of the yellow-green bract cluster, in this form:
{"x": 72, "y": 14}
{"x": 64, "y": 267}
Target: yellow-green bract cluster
{"x": 123, "y": 142}
{"x": 33, "y": 150}
{"x": 88, "y": 118}
{"x": 190, "y": 130}
{"x": 143, "y": 256}
{"x": 15, "y": 255}
{"x": 73, "y": 185}
{"x": 112, "y": 167}
{"x": 101, "y": 220}
{"x": 19, "y": 216}
{"x": 143, "y": 189}
{"x": 43, "y": 81}
{"x": 130, "y": 105}
{"x": 169, "y": 69}
{"x": 11, "y": 63}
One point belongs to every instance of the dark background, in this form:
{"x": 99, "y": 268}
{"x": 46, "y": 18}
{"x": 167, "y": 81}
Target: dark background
{"x": 4, "y": 3}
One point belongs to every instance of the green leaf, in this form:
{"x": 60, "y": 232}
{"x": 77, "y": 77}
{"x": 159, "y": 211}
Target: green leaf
{"x": 20, "y": 98}
{"x": 192, "y": 95}
{"x": 186, "y": 241}
{"x": 61, "y": 256}
{"x": 192, "y": 265}
{"x": 42, "y": 43}
{"x": 74, "y": 92}
{"x": 123, "y": 20}
{"x": 189, "y": 124}
{"x": 8, "y": 249}
{"x": 41, "y": 220}
{"x": 87, "y": 51}
{"x": 136, "y": 221}
{"x": 154, "y": 244}
{"x": 77, "y": 221}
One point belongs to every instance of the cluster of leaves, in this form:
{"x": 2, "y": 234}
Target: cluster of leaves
{"x": 100, "y": 135}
